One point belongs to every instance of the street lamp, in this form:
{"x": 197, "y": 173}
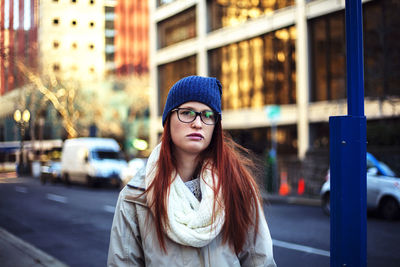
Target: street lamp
{"x": 22, "y": 119}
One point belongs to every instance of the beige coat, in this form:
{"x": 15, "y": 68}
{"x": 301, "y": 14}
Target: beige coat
{"x": 134, "y": 242}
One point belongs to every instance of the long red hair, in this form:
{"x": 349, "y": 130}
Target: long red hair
{"x": 236, "y": 184}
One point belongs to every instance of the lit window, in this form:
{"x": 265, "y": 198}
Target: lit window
{"x": 56, "y": 21}
{"x": 56, "y": 44}
{"x": 74, "y": 23}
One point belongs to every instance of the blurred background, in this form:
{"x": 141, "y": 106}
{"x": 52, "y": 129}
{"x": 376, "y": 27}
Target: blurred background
{"x": 103, "y": 68}
{"x": 74, "y": 68}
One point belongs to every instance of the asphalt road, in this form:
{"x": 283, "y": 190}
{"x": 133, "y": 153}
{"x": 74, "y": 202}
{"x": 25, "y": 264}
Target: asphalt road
{"x": 73, "y": 224}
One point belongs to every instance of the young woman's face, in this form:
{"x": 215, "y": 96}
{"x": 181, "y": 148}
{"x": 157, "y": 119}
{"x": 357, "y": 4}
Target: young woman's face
{"x": 193, "y": 137}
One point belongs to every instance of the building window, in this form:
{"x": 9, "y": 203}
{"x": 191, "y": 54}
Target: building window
{"x": 177, "y": 28}
{"x": 91, "y": 24}
{"x": 56, "y": 67}
{"x": 56, "y": 21}
{"x": 329, "y": 61}
{"x": 257, "y": 72}
{"x": 74, "y": 45}
{"x": 56, "y": 44}
{"x": 381, "y": 49}
{"x": 170, "y": 73}
{"x": 164, "y": 2}
{"x": 258, "y": 140}
{"x": 229, "y": 13}
{"x": 91, "y": 70}
{"x": 73, "y": 22}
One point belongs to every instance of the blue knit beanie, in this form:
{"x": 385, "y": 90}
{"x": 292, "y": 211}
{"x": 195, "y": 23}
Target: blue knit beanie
{"x": 194, "y": 88}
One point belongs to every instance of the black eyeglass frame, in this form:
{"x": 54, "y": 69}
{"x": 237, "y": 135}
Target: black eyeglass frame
{"x": 217, "y": 116}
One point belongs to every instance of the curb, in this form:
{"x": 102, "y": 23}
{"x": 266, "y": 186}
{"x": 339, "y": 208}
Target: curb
{"x": 16, "y": 252}
{"x": 295, "y": 200}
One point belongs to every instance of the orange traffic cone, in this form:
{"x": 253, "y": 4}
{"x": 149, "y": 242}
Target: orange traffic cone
{"x": 300, "y": 186}
{"x": 284, "y": 187}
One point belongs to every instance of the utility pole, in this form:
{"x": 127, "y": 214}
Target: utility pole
{"x": 348, "y": 156}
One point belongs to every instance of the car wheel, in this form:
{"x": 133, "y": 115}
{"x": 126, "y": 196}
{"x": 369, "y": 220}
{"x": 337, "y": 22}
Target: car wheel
{"x": 389, "y": 208}
{"x": 326, "y": 204}
{"x": 89, "y": 181}
{"x": 66, "y": 179}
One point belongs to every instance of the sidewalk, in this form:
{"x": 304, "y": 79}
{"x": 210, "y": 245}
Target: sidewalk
{"x": 17, "y": 253}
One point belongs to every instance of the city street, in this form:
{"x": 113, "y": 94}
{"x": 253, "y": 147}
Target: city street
{"x": 73, "y": 224}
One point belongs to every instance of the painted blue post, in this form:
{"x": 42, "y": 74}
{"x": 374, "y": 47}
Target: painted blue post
{"x": 348, "y": 156}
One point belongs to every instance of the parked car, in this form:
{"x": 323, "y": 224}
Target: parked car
{"x": 383, "y": 190}
{"x": 50, "y": 171}
{"x": 133, "y": 167}
{"x": 90, "y": 160}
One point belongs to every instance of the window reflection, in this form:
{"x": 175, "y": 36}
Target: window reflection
{"x": 233, "y": 12}
{"x": 329, "y": 62}
{"x": 381, "y": 48}
{"x": 177, "y": 28}
{"x": 381, "y": 28}
{"x": 170, "y": 73}
{"x": 257, "y": 72}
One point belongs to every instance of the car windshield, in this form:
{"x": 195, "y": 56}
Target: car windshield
{"x": 105, "y": 154}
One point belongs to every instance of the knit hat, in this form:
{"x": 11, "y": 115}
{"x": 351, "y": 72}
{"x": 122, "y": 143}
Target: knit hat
{"x": 194, "y": 88}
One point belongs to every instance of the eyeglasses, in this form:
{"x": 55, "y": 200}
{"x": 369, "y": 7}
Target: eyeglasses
{"x": 188, "y": 115}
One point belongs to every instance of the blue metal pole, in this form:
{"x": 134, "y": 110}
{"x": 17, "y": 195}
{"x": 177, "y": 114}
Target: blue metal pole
{"x": 348, "y": 156}
{"x": 355, "y": 66}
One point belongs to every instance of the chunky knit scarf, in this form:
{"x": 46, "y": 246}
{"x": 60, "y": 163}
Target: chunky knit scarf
{"x": 191, "y": 222}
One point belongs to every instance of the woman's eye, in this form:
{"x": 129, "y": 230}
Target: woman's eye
{"x": 208, "y": 114}
{"x": 187, "y": 113}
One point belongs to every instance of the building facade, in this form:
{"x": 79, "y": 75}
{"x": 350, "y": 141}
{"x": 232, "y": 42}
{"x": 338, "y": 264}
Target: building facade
{"x": 281, "y": 63}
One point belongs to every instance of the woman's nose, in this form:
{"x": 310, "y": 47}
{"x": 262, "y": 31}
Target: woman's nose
{"x": 197, "y": 122}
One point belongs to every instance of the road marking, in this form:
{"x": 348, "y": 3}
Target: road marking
{"x": 302, "y": 248}
{"x": 56, "y": 198}
{"x": 109, "y": 208}
{"x": 21, "y": 189}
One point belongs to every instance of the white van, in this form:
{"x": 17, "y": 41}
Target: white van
{"x": 90, "y": 160}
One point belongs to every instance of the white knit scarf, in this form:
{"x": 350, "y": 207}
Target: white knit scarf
{"x": 190, "y": 221}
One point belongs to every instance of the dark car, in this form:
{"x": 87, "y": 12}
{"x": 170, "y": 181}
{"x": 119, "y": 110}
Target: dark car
{"x": 50, "y": 171}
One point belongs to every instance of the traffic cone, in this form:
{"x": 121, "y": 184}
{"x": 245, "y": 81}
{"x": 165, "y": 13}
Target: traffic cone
{"x": 300, "y": 186}
{"x": 284, "y": 187}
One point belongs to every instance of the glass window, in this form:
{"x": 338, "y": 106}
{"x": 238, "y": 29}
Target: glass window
{"x": 258, "y": 140}
{"x": 381, "y": 48}
{"x": 170, "y": 73}
{"x": 328, "y": 57}
{"x": 164, "y": 2}
{"x": 177, "y": 28}
{"x": 233, "y": 12}
{"x": 381, "y": 28}
{"x": 257, "y": 72}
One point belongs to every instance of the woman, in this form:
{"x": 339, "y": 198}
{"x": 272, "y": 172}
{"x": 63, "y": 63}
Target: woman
{"x": 197, "y": 203}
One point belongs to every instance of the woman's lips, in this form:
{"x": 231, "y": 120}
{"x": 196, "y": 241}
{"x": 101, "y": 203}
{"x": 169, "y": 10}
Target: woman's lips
{"x": 195, "y": 136}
